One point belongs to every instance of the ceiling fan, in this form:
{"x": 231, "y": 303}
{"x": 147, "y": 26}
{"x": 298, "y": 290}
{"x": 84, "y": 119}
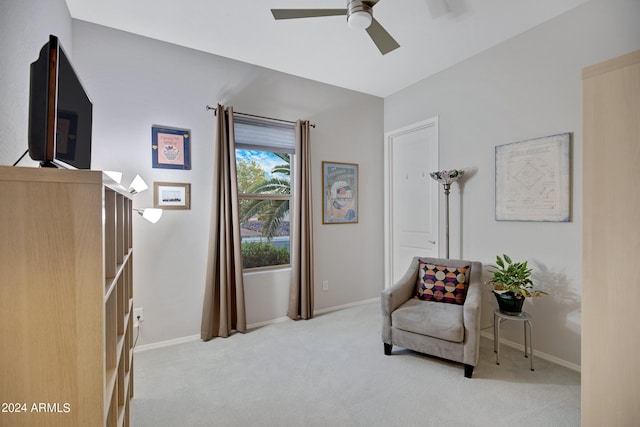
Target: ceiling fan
{"x": 359, "y": 16}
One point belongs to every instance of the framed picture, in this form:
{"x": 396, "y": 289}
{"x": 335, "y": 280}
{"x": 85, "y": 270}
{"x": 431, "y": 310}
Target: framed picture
{"x": 171, "y": 195}
{"x": 170, "y": 148}
{"x": 340, "y": 193}
{"x": 533, "y": 179}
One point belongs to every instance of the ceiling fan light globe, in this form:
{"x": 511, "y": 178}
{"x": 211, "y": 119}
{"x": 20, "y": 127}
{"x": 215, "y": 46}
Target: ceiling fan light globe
{"x": 360, "y": 20}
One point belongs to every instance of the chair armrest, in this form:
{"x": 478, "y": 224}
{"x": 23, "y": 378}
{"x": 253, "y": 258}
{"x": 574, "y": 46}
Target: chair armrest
{"x": 396, "y": 295}
{"x": 401, "y": 291}
{"x": 472, "y": 302}
{"x": 471, "y": 315}
{"x": 473, "y": 299}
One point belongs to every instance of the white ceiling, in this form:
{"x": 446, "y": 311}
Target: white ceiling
{"x": 433, "y": 34}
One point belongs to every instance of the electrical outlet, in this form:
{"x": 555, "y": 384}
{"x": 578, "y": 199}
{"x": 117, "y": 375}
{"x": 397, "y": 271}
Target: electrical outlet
{"x": 325, "y": 285}
{"x": 138, "y": 314}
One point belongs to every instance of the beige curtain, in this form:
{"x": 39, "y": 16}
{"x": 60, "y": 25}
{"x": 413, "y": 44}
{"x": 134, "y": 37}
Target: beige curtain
{"x": 301, "y": 292}
{"x": 223, "y": 308}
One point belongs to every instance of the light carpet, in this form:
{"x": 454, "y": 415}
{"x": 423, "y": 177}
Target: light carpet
{"x": 332, "y": 371}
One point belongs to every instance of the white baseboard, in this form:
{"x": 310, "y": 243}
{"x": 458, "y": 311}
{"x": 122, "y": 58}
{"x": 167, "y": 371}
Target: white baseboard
{"x": 160, "y": 344}
{"x": 320, "y": 311}
{"x": 540, "y": 354}
{"x": 351, "y": 304}
{"x": 191, "y": 338}
{"x": 267, "y": 322}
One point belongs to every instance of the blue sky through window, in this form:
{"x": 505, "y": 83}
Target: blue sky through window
{"x": 265, "y": 159}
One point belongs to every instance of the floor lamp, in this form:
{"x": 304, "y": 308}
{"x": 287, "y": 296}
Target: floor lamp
{"x": 446, "y": 178}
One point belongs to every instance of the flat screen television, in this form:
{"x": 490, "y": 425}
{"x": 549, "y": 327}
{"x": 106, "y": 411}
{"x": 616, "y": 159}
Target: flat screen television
{"x": 60, "y": 112}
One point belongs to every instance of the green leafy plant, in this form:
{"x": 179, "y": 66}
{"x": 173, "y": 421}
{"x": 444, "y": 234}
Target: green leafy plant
{"x": 513, "y": 277}
{"x": 260, "y": 254}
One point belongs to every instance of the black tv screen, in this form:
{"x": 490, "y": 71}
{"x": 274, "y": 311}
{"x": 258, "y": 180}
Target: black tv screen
{"x": 60, "y": 111}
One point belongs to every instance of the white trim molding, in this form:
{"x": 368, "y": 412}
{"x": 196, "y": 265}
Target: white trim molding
{"x": 537, "y": 353}
{"x": 388, "y": 172}
{"x": 191, "y": 338}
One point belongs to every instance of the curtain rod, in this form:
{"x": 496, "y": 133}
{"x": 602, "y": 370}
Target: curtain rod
{"x": 313, "y": 125}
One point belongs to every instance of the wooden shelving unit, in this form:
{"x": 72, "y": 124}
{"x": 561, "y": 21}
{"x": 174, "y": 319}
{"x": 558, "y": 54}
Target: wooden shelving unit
{"x": 610, "y": 241}
{"x": 66, "y": 299}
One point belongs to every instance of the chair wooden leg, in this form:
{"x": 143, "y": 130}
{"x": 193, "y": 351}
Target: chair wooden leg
{"x": 468, "y": 371}
{"x": 387, "y": 349}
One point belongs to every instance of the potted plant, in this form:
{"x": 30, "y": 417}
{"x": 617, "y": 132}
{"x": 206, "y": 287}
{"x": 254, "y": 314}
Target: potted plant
{"x": 512, "y": 284}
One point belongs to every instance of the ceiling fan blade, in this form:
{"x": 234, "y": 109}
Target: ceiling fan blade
{"x": 370, "y": 3}
{"x": 306, "y": 13}
{"x": 382, "y": 39}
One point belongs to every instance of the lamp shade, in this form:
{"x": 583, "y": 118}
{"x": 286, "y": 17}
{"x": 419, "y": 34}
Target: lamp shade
{"x": 152, "y": 215}
{"x": 447, "y": 176}
{"x": 114, "y": 175}
{"x": 137, "y": 185}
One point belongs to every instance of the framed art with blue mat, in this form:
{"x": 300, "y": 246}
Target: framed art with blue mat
{"x": 170, "y": 148}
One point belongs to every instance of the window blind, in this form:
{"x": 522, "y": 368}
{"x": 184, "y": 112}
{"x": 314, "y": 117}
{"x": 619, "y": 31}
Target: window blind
{"x": 256, "y": 134}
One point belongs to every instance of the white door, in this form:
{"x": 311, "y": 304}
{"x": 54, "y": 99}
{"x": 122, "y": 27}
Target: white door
{"x": 411, "y": 196}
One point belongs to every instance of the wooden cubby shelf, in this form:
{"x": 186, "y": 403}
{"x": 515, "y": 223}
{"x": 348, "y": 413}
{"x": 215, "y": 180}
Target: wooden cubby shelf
{"x": 66, "y": 297}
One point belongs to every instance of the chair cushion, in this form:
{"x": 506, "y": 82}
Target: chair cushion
{"x": 441, "y": 283}
{"x": 443, "y": 321}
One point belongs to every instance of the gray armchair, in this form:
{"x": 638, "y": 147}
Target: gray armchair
{"x": 448, "y": 331}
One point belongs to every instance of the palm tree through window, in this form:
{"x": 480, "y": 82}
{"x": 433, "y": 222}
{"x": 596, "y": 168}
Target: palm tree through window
{"x": 264, "y": 192}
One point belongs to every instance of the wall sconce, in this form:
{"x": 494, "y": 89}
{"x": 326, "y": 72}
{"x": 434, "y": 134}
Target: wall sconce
{"x": 137, "y": 185}
{"x": 114, "y": 175}
{"x": 152, "y": 215}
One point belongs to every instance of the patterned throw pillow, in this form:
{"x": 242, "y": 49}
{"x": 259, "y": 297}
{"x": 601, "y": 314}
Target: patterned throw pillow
{"x": 441, "y": 283}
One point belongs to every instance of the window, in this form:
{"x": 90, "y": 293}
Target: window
{"x": 264, "y": 152}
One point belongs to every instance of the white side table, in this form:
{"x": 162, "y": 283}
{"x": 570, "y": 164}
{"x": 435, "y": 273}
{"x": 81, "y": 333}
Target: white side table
{"x": 498, "y": 318}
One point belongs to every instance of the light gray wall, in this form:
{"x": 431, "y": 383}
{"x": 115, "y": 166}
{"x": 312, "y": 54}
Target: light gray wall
{"x": 25, "y": 26}
{"x": 136, "y": 82}
{"x": 527, "y": 87}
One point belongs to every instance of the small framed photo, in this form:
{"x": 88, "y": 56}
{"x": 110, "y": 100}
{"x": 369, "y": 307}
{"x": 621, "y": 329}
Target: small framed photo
{"x": 340, "y": 193}
{"x": 171, "y": 195}
{"x": 170, "y": 148}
